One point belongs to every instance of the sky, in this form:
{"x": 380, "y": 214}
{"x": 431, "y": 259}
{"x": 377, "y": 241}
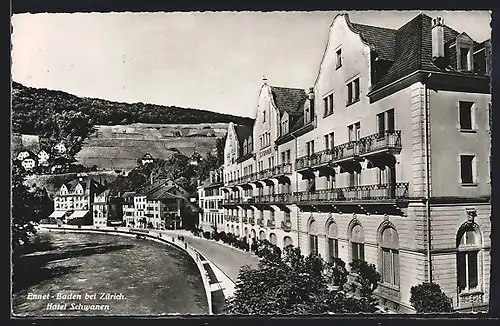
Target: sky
{"x": 213, "y": 61}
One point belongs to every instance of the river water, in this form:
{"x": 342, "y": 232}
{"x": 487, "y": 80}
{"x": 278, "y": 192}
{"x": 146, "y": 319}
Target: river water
{"x": 69, "y": 273}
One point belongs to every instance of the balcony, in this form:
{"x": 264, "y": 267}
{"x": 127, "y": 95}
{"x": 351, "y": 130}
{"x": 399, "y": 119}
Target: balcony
{"x": 286, "y": 226}
{"x": 232, "y": 201}
{"x": 266, "y": 174}
{"x": 376, "y": 192}
{"x": 282, "y": 169}
{"x": 275, "y": 198}
{"x": 271, "y": 224}
{"x": 251, "y": 220}
{"x": 389, "y": 140}
{"x": 260, "y": 222}
{"x": 231, "y": 218}
{"x": 244, "y": 219}
{"x": 237, "y": 219}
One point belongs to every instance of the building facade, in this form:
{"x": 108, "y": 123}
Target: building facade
{"x": 75, "y": 200}
{"x": 384, "y": 159}
{"x": 100, "y": 208}
{"x": 210, "y": 197}
{"x": 129, "y": 210}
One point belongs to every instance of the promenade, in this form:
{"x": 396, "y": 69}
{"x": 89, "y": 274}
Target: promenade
{"x": 226, "y": 258}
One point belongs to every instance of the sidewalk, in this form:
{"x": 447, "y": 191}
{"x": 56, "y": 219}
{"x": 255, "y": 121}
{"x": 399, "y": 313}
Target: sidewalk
{"x": 228, "y": 259}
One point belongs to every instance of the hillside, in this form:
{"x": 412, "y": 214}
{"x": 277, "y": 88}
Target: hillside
{"x": 119, "y": 147}
{"x": 30, "y": 107}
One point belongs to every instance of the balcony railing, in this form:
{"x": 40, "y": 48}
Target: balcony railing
{"x": 282, "y": 169}
{"x": 233, "y": 200}
{"x": 267, "y": 173}
{"x": 244, "y": 219}
{"x": 286, "y": 226}
{"x": 260, "y": 222}
{"x": 227, "y": 217}
{"x": 231, "y": 218}
{"x": 274, "y": 198}
{"x": 251, "y": 220}
{"x": 237, "y": 219}
{"x": 271, "y": 224}
{"x": 357, "y": 193}
{"x": 389, "y": 139}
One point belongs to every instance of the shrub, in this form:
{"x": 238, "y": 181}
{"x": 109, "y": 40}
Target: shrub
{"x": 429, "y": 298}
{"x": 216, "y": 235}
{"x": 206, "y": 235}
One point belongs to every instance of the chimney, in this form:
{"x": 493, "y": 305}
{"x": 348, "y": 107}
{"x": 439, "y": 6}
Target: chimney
{"x": 437, "y": 32}
{"x": 310, "y": 95}
{"x": 264, "y": 80}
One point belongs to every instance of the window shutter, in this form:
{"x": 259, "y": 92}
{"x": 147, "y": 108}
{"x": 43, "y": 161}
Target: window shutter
{"x": 461, "y": 270}
{"x": 473, "y": 277}
{"x": 386, "y": 266}
{"x": 396, "y": 267}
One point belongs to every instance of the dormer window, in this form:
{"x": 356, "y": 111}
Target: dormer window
{"x": 465, "y": 59}
{"x": 338, "y": 57}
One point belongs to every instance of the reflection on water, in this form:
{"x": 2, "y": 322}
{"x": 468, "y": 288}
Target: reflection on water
{"x": 153, "y": 278}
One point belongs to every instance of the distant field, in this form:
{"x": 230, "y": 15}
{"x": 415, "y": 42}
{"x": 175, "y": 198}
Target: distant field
{"x": 119, "y": 147}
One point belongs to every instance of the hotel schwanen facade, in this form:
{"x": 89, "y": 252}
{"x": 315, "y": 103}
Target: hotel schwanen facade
{"x": 389, "y": 146}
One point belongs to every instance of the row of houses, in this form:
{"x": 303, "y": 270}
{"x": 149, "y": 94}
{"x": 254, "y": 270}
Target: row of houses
{"x": 27, "y": 151}
{"x": 386, "y": 158}
{"x": 87, "y": 201}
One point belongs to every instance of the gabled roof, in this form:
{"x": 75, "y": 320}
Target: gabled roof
{"x": 242, "y": 133}
{"x": 87, "y": 184}
{"x": 289, "y": 100}
{"x": 382, "y": 40}
{"x": 413, "y": 49}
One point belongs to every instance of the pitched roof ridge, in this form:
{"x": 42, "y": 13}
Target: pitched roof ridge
{"x": 374, "y": 26}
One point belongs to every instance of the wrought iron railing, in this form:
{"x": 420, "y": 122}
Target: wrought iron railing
{"x": 389, "y": 139}
{"x": 274, "y": 198}
{"x": 271, "y": 224}
{"x": 236, "y": 219}
{"x": 244, "y": 219}
{"x": 260, "y": 222}
{"x": 286, "y": 226}
{"x": 251, "y": 220}
{"x": 365, "y": 192}
{"x": 282, "y": 169}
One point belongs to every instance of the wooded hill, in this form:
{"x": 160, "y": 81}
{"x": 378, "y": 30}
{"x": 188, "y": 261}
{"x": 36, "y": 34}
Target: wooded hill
{"x": 33, "y": 110}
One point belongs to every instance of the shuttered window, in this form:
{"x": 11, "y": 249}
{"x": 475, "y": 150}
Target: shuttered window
{"x": 389, "y": 244}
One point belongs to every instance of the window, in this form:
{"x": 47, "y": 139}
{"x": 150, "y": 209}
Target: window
{"x": 357, "y": 243}
{"x": 263, "y": 116}
{"x": 467, "y": 169}
{"x": 250, "y": 144}
{"x": 288, "y": 156}
{"x": 338, "y": 61}
{"x": 466, "y": 115}
{"x": 357, "y": 128}
{"x": 468, "y": 258}
{"x": 311, "y": 185}
{"x": 389, "y": 259}
{"x": 310, "y": 147}
{"x": 381, "y": 124}
{"x": 328, "y": 105}
{"x": 329, "y": 141}
{"x": 333, "y": 244}
{"x": 353, "y": 91}
{"x": 313, "y": 237}
{"x": 465, "y": 62}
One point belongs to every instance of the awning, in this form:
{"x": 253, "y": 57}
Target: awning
{"x": 78, "y": 214}
{"x": 57, "y": 214}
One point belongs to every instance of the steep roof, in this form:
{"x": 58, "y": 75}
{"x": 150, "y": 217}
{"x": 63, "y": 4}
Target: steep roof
{"x": 289, "y": 100}
{"x": 412, "y": 48}
{"x": 382, "y": 40}
{"x": 242, "y": 132}
{"x": 128, "y": 194}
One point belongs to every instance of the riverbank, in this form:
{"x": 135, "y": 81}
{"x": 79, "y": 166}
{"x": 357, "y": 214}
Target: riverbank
{"x": 155, "y": 279}
{"x": 217, "y": 283}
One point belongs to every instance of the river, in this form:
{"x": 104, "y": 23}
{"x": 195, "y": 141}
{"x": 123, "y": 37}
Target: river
{"x": 79, "y": 274}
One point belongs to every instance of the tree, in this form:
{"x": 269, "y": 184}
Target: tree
{"x": 290, "y": 284}
{"x": 429, "y": 298}
{"x": 29, "y": 206}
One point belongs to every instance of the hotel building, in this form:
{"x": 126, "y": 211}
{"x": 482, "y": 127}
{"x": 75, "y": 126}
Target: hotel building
{"x": 210, "y": 201}
{"x": 385, "y": 159}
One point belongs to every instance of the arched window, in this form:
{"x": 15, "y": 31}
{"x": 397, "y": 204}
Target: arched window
{"x": 287, "y": 241}
{"x": 332, "y": 241}
{"x": 237, "y": 230}
{"x": 232, "y": 229}
{"x": 250, "y": 145}
{"x": 313, "y": 237}
{"x": 246, "y": 232}
{"x": 273, "y": 239}
{"x": 389, "y": 255}
{"x": 252, "y": 233}
{"x": 262, "y": 235}
{"x": 468, "y": 258}
{"x": 357, "y": 242}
